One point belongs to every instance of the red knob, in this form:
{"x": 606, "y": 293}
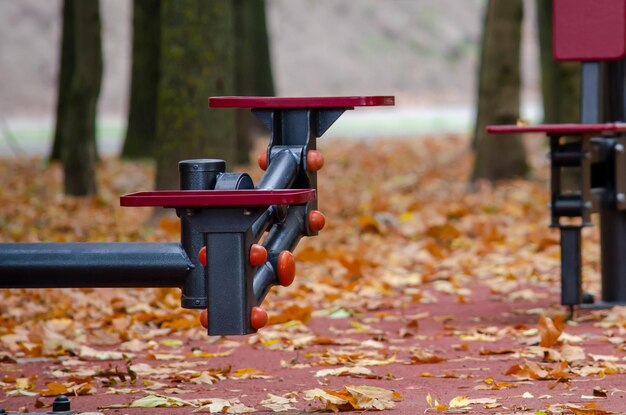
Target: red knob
{"x": 202, "y": 255}
{"x": 314, "y": 160}
{"x": 258, "y": 318}
{"x": 317, "y": 220}
{"x": 258, "y": 255}
{"x": 262, "y": 160}
{"x": 204, "y": 319}
{"x": 286, "y": 268}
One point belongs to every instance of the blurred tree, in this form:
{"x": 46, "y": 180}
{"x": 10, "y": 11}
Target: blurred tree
{"x": 253, "y": 67}
{"x": 140, "y": 135}
{"x": 196, "y": 61}
{"x": 78, "y": 143}
{"x": 560, "y": 81}
{"x": 66, "y": 69}
{"x": 499, "y": 157}
{"x": 560, "y": 87}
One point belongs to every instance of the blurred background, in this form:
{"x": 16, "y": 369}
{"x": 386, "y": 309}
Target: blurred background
{"x": 424, "y": 52}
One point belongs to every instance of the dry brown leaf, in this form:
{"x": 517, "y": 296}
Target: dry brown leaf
{"x": 419, "y": 356}
{"x": 291, "y": 313}
{"x": 549, "y": 331}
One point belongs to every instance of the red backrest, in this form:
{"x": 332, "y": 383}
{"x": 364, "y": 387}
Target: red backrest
{"x": 587, "y": 30}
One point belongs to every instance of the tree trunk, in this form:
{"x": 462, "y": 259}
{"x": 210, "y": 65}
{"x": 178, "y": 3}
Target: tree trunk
{"x": 560, "y": 87}
{"x": 66, "y": 69}
{"x": 141, "y": 132}
{"x": 560, "y": 81}
{"x": 197, "y": 61}
{"x": 499, "y": 157}
{"x": 253, "y": 67}
{"x": 79, "y": 145}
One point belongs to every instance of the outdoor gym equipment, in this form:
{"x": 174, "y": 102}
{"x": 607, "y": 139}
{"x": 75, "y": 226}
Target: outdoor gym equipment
{"x": 593, "y": 32}
{"x": 218, "y": 264}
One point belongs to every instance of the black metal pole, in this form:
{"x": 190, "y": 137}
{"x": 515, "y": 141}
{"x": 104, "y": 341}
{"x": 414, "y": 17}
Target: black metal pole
{"x": 283, "y": 236}
{"x": 113, "y": 264}
{"x": 613, "y": 220}
{"x": 197, "y": 174}
{"x": 282, "y": 171}
{"x": 571, "y": 265}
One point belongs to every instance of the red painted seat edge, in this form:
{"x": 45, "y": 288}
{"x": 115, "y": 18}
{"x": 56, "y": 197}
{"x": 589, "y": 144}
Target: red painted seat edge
{"x": 189, "y": 198}
{"x": 300, "y": 102}
{"x": 557, "y": 128}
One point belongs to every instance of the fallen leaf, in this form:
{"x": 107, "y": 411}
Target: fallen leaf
{"x": 159, "y": 401}
{"x": 549, "y": 331}
{"x": 279, "y": 403}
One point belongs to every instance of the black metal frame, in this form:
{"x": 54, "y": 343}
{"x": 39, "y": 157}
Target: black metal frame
{"x": 228, "y": 286}
{"x": 601, "y": 164}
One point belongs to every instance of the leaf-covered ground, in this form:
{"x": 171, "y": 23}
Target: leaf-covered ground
{"x": 418, "y": 296}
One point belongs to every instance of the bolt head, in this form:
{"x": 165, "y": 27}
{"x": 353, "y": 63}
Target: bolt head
{"x": 621, "y": 197}
{"x": 619, "y": 148}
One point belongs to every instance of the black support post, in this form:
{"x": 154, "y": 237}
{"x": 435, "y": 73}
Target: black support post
{"x": 612, "y": 218}
{"x": 571, "y": 265}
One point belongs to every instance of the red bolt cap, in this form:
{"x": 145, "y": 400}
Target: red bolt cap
{"x": 262, "y": 160}
{"x": 314, "y": 160}
{"x": 202, "y": 255}
{"x": 204, "y": 319}
{"x": 286, "y": 268}
{"x": 258, "y": 255}
{"x": 317, "y": 220}
{"x": 258, "y": 318}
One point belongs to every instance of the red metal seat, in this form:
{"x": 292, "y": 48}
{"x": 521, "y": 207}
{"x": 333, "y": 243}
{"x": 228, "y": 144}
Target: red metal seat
{"x": 207, "y": 198}
{"x": 589, "y": 30}
{"x": 300, "y": 102}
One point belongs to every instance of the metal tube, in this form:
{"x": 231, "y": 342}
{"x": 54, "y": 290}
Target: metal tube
{"x": 571, "y": 265}
{"x": 590, "y": 91}
{"x": 264, "y": 222}
{"x": 281, "y": 174}
{"x": 90, "y": 265}
{"x": 200, "y": 174}
{"x": 264, "y": 279}
{"x": 567, "y": 158}
{"x": 284, "y": 236}
{"x": 197, "y": 174}
{"x": 568, "y": 206}
{"x": 613, "y": 260}
{"x": 282, "y": 171}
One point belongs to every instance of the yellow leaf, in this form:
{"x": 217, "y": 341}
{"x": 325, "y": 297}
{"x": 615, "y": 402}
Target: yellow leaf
{"x": 459, "y": 402}
{"x": 54, "y": 389}
{"x": 159, "y": 401}
{"x": 250, "y": 373}
{"x": 171, "y": 342}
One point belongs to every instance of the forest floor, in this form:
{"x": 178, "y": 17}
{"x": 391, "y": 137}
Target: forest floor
{"x": 421, "y": 295}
